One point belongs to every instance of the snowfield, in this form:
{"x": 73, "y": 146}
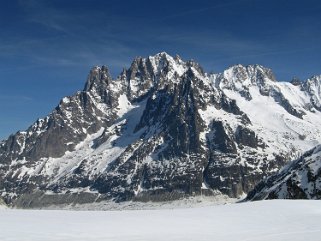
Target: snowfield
{"x": 265, "y": 220}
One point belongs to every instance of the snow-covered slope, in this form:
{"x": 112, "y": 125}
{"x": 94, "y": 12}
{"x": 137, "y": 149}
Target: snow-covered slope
{"x": 278, "y": 220}
{"x": 163, "y": 129}
{"x": 2, "y": 204}
{"x": 300, "y": 179}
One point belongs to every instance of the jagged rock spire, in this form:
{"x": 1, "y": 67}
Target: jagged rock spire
{"x": 98, "y": 78}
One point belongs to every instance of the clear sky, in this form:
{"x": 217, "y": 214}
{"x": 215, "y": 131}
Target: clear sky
{"x": 47, "y": 47}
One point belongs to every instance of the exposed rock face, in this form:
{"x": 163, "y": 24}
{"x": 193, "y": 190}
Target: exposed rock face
{"x": 300, "y": 179}
{"x": 162, "y": 130}
{"x": 313, "y": 87}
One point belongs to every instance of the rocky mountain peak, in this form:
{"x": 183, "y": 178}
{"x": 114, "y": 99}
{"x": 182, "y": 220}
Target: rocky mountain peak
{"x": 99, "y": 77}
{"x": 239, "y": 75}
{"x": 313, "y": 84}
{"x": 313, "y": 88}
{"x": 164, "y": 61}
{"x": 156, "y": 72}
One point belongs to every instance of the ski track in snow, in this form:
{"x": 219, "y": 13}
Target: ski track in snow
{"x": 282, "y": 220}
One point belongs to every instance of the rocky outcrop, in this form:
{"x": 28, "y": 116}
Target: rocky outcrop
{"x": 299, "y": 179}
{"x": 313, "y": 87}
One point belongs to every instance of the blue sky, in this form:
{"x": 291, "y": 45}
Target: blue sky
{"x": 47, "y": 47}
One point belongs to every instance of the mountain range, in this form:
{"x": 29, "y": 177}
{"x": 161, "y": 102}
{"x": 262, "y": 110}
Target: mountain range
{"x": 165, "y": 129}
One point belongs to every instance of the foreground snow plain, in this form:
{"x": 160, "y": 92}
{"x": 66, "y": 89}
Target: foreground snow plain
{"x": 263, "y": 220}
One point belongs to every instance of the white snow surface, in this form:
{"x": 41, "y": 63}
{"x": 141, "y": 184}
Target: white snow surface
{"x": 2, "y": 206}
{"x": 282, "y": 220}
